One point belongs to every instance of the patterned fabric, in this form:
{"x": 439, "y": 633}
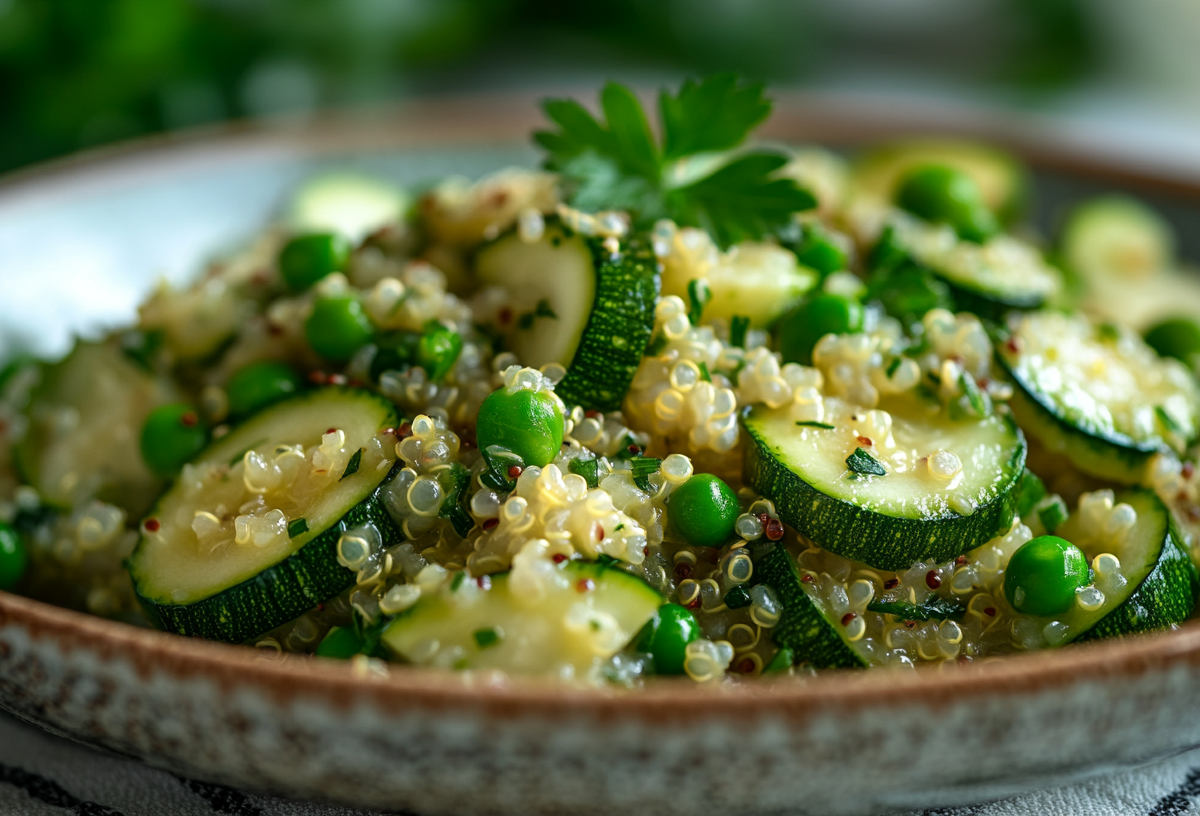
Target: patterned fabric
{"x": 42, "y": 775}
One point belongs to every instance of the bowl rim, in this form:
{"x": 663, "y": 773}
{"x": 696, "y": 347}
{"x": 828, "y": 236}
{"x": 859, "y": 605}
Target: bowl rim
{"x": 454, "y": 122}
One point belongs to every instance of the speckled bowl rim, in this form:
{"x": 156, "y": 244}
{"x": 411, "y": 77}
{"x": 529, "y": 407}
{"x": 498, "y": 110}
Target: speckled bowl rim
{"x": 456, "y": 121}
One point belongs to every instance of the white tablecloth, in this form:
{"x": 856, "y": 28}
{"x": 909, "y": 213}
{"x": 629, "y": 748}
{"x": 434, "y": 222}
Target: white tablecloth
{"x": 43, "y": 775}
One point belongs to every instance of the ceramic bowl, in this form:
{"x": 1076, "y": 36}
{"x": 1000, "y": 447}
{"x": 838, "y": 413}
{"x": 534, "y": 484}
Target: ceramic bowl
{"x": 101, "y": 227}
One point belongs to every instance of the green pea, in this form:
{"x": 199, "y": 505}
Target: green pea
{"x": 1178, "y": 337}
{"x": 338, "y": 327}
{"x": 171, "y": 436}
{"x": 258, "y": 385}
{"x": 824, "y": 314}
{"x": 945, "y": 195}
{"x": 395, "y": 352}
{"x": 703, "y": 510}
{"x": 528, "y": 423}
{"x": 306, "y": 259}
{"x": 13, "y": 557}
{"x": 818, "y": 252}
{"x": 909, "y": 291}
{"x": 341, "y": 643}
{"x": 666, "y": 636}
{"x": 1042, "y": 576}
{"x": 438, "y": 350}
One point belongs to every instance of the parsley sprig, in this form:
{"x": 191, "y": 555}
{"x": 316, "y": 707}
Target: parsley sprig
{"x": 695, "y": 175}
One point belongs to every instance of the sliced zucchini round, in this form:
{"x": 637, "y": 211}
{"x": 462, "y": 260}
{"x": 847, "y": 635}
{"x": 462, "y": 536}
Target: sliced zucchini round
{"x": 220, "y": 560}
{"x": 804, "y": 627}
{"x": 1097, "y": 393}
{"x": 889, "y": 509}
{"x": 578, "y": 304}
{"x": 347, "y": 203}
{"x": 1117, "y": 237}
{"x": 1158, "y": 585}
{"x": 85, "y": 418}
{"x": 1001, "y": 177}
{"x": 1003, "y": 273}
{"x": 567, "y": 628}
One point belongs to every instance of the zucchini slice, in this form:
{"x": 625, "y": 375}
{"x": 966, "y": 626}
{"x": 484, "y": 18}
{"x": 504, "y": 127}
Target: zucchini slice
{"x": 1117, "y": 237}
{"x": 348, "y": 203}
{"x": 804, "y": 626}
{"x": 908, "y": 514}
{"x": 1001, "y": 177}
{"x": 578, "y": 304}
{"x": 85, "y": 418}
{"x": 1003, "y": 273}
{"x": 1158, "y": 585}
{"x": 568, "y": 627}
{"x": 1097, "y": 394}
{"x": 220, "y": 560}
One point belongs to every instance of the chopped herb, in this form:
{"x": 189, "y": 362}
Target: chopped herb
{"x": 525, "y": 321}
{"x": 699, "y": 294}
{"x": 656, "y": 346}
{"x": 619, "y": 528}
{"x": 297, "y": 527}
{"x": 1030, "y": 491}
{"x": 460, "y": 519}
{"x": 594, "y": 625}
{"x": 629, "y": 449}
{"x": 935, "y": 608}
{"x": 486, "y": 637}
{"x": 893, "y": 366}
{"x": 589, "y": 469}
{"x": 1108, "y": 332}
{"x": 737, "y": 598}
{"x": 615, "y": 162}
{"x": 353, "y": 464}
{"x": 1053, "y": 513}
{"x": 979, "y": 404}
{"x": 1169, "y": 422}
{"x": 863, "y": 462}
{"x": 642, "y": 468}
{"x": 808, "y": 423}
{"x": 498, "y": 462}
{"x": 738, "y": 326}
{"x": 543, "y": 310}
{"x": 457, "y": 581}
{"x": 704, "y": 375}
{"x": 781, "y": 662}
{"x": 605, "y": 561}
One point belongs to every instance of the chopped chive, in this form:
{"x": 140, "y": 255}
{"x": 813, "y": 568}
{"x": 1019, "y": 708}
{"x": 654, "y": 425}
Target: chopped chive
{"x": 781, "y": 662}
{"x": 589, "y": 469}
{"x": 642, "y": 468}
{"x": 935, "y": 608}
{"x": 863, "y": 462}
{"x": 893, "y": 366}
{"x": 699, "y": 294}
{"x": 604, "y": 560}
{"x": 974, "y": 396}
{"x": 1169, "y": 422}
{"x": 486, "y": 637}
{"x": 543, "y": 309}
{"x": 619, "y": 528}
{"x": 457, "y": 581}
{"x": 460, "y": 519}
{"x": 704, "y": 375}
{"x": 808, "y": 423}
{"x": 737, "y": 597}
{"x": 1030, "y": 490}
{"x": 738, "y": 326}
{"x": 1053, "y": 513}
{"x": 297, "y": 527}
{"x": 352, "y": 465}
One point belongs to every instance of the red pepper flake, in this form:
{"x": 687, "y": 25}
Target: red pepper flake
{"x": 337, "y": 379}
{"x": 593, "y": 414}
{"x": 1181, "y": 497}
{"x": 848, "y": 617}
{"x": 484, "y": 582}
{"x": 891, "y": 583}
{"x": 490, "y": 524}
{"x": 806, "y": 578}
{"x": 909, "y": 624}
{"x": 151, "y": 525}
{"x": 634, "y": 449}
{"x": 274, "y": 330}
{"x": 558, "y": 558}
{"x": 189, "y": 419}
{"x": 746, "y": 666}
{"x": 1193, "y": 513}
{"x": 866, "y": 441}
{"x": 318, "y": 377}
{"x": 331, "y": 430}
{"x": 773, "y": 529}
{"x": 683, "y": 570}
{"x": 1013, "y": 345}
{"x": 646, "y": 550}
{"x": 599, "y": 532}
{"x": 990, "y": 611}
{"x": 405, "y": 430}
{"x": 695, "y": 604}
{"x": 932, "y": 579}
{"x": 514, "y": 471}
{"x": 320, "y": 607}
{"x": 1187, "y": 470}
{"x": 962, "y": 559}
{"x": 585, "y": 585}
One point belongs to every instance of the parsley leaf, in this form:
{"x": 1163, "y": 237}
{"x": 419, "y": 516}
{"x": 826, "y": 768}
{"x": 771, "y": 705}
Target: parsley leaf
{"x": 935, "y": 608}
{"x": 616, "y": 163}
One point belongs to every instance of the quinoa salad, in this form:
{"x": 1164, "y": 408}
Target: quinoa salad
{"x": 679, "y": 402}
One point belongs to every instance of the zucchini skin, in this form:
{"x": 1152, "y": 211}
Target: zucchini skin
{"x": 618, "y": 328}
{"x": 1165, "y": 597}
{"x": 802, "y": 627}
{"x": 877, "y": 540}
{"x": 1117, "y": 459}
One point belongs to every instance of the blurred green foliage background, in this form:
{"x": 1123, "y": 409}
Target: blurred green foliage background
{"x": 79, "y": 73}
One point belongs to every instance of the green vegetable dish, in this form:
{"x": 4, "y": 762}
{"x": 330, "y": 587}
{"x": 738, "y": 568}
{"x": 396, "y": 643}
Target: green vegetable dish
{"x": 677, "y": 404}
